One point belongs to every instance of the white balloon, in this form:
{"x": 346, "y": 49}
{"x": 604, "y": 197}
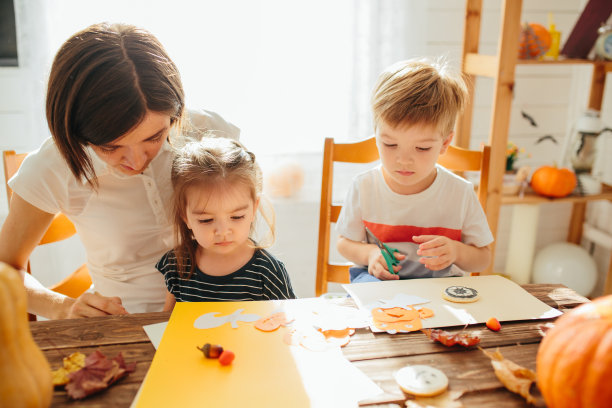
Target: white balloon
{"x": 567, "y": 264}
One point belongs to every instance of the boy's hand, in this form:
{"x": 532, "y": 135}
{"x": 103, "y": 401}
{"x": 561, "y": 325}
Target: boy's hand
{"x": 437, "y": 252}
{"x": 377, "y": 266}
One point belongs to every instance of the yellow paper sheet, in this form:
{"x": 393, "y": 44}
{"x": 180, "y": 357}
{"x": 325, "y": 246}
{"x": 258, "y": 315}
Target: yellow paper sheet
{"x": 263, "y": 371}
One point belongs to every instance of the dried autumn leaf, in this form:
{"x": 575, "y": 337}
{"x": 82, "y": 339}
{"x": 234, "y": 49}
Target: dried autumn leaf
{"x": 544, "y": 328}
{"x": 448, "y": 399}
{"x": 72, "y": 363}
{"x": 514, "y": 377}
{"x": 98, "y": 373}
{"x": 462, "y": 338}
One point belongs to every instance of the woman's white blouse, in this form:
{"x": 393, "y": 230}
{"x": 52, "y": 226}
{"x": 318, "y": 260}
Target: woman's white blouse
{"x": 125, "y": 226}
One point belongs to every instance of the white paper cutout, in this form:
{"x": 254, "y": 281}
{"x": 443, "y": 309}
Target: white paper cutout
{"x": 399, "y": 300}
{"x": 210, "y": 320}
{"x": 329, "y": 316}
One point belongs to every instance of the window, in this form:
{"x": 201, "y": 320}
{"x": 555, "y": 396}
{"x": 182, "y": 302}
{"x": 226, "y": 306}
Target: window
{"x": 280, "y": 70}
{"x": 8, "y": 34}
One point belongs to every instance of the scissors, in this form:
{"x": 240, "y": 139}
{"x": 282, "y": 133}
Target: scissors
{"x": 387, "y": 252}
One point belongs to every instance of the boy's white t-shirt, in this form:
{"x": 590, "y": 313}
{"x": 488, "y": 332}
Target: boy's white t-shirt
{"x": 126, "y": 226}
{"x": 448, "y": 207}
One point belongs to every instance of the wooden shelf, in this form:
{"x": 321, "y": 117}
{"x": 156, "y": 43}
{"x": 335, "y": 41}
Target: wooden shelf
{"x": 566, "y": 61}
{"x": 486, "y": 65}
{"x": 501, "y": 68}
{"x": 532, "y": 198}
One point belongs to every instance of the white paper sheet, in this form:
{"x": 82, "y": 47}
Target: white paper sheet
{"x": 499, "y": 297}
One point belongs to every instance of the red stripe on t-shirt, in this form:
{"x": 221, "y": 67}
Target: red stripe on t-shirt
{"x": 404, "y": 233}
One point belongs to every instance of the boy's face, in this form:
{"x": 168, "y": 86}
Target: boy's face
{"x": 408, "y": 153}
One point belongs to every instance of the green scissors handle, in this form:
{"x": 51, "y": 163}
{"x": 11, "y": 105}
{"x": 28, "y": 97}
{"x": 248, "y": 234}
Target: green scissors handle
{"x": 388, "y": 253}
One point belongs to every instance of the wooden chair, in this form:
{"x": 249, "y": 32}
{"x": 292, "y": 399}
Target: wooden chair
{"x": 60, "y": 229}
{"x": 455, "y": 159}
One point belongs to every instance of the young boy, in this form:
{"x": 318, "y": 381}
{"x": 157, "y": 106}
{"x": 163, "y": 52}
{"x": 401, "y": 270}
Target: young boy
{"x": 409, "y": 202}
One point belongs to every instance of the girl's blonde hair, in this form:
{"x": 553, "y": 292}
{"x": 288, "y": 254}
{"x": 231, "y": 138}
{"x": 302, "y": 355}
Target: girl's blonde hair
{"x": 419, "y": 91}
{"x": 212, "y": 163}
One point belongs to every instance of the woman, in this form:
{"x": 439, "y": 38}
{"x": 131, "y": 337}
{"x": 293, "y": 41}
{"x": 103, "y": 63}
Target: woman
{"x": 113, "y": 100}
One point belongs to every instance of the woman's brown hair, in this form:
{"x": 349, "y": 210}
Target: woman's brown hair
{"x": 102, "y": 82}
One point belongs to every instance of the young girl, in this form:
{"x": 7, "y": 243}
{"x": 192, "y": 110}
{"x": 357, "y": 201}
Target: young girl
{"x": 217, "y": 185}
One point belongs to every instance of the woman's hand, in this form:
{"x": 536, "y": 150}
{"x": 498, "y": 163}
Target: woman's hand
{"x": 377, "y": 266}
{"x": 94, "y": 304}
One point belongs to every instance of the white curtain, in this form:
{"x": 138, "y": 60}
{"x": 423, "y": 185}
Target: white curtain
{"x": 34, "y": 53}
{"x": 384, "y": 32}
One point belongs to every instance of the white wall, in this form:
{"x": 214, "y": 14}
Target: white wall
{"x": 553, "y": 95}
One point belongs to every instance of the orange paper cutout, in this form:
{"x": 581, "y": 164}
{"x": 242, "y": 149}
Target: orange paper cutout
{"x": 393, "y": 314}
{"x": 272, "y": 322}
{"x": 424, "y": 313}
{"x": 401, "y": 326}
{"x": 399, "y": 320}
{"x": 339, "y": 337}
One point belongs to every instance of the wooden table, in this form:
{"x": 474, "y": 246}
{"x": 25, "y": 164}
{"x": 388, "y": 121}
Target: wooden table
{"x": 377, "y": 355}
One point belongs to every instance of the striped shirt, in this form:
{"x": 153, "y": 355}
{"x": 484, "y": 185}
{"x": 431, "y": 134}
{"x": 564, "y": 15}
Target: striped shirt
{"x": 262, "y": 278}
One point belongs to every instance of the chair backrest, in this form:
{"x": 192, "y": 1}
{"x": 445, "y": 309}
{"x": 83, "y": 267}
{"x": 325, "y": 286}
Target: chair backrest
{"x": 61, "y": 228}
{"x": 455, "y": 159}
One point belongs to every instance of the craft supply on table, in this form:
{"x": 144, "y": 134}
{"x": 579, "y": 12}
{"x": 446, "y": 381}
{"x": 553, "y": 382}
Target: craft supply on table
{"x": 460, "y": 294}
{"x": 495, "y": 294}
{"x": 493, "y": 324}
{"x": 421, "y": 380}
{"x": 299, "y": 373}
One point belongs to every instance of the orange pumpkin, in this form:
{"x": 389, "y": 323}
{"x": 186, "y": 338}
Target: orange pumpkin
{"x": 534, "y": 41}
{"x": 551, "y": 181}
{"x": 574, "y": 362}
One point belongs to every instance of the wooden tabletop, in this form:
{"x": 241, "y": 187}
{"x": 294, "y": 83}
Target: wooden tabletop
{"x": 377, "y": 355}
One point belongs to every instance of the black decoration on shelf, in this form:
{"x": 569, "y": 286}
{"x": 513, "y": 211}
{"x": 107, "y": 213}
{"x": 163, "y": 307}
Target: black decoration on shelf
{"x": 529, "y": 118}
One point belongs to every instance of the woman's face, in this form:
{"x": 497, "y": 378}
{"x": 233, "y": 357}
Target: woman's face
{"x": 131, "y": 153}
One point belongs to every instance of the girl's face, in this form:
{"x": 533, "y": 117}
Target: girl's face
{"x": 221, "y": 220}
{"x": 408, "y": 154}
{"x": 131, "y": 153}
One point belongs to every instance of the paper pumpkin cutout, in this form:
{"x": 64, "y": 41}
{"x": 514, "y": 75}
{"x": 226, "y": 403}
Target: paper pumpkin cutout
{"x": 307, "y": 337}
{"x": 211, "y": 320}
{"x": 272, "y": 322}
{"x": 338, "y": 337}
{"x": 328, "y": 316}
{"x": 316, "y": 339}
{"x": 394, "y": 314}
{"x": 401, "y": 326}
{"x": 424, "y": 313}
{"x": 399, "y": 320}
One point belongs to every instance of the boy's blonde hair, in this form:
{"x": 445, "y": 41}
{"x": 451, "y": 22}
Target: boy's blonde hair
{"x": 419, "y": 91}
{"x": 211, "y": 164}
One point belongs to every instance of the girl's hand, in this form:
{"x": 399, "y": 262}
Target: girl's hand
{"x": 437, "y": 252}
{"x": 377, "y": 266}
{"x": 94, "y": 304}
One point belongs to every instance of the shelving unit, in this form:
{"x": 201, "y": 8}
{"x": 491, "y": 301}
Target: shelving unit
{"x": 501, "y": 68}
